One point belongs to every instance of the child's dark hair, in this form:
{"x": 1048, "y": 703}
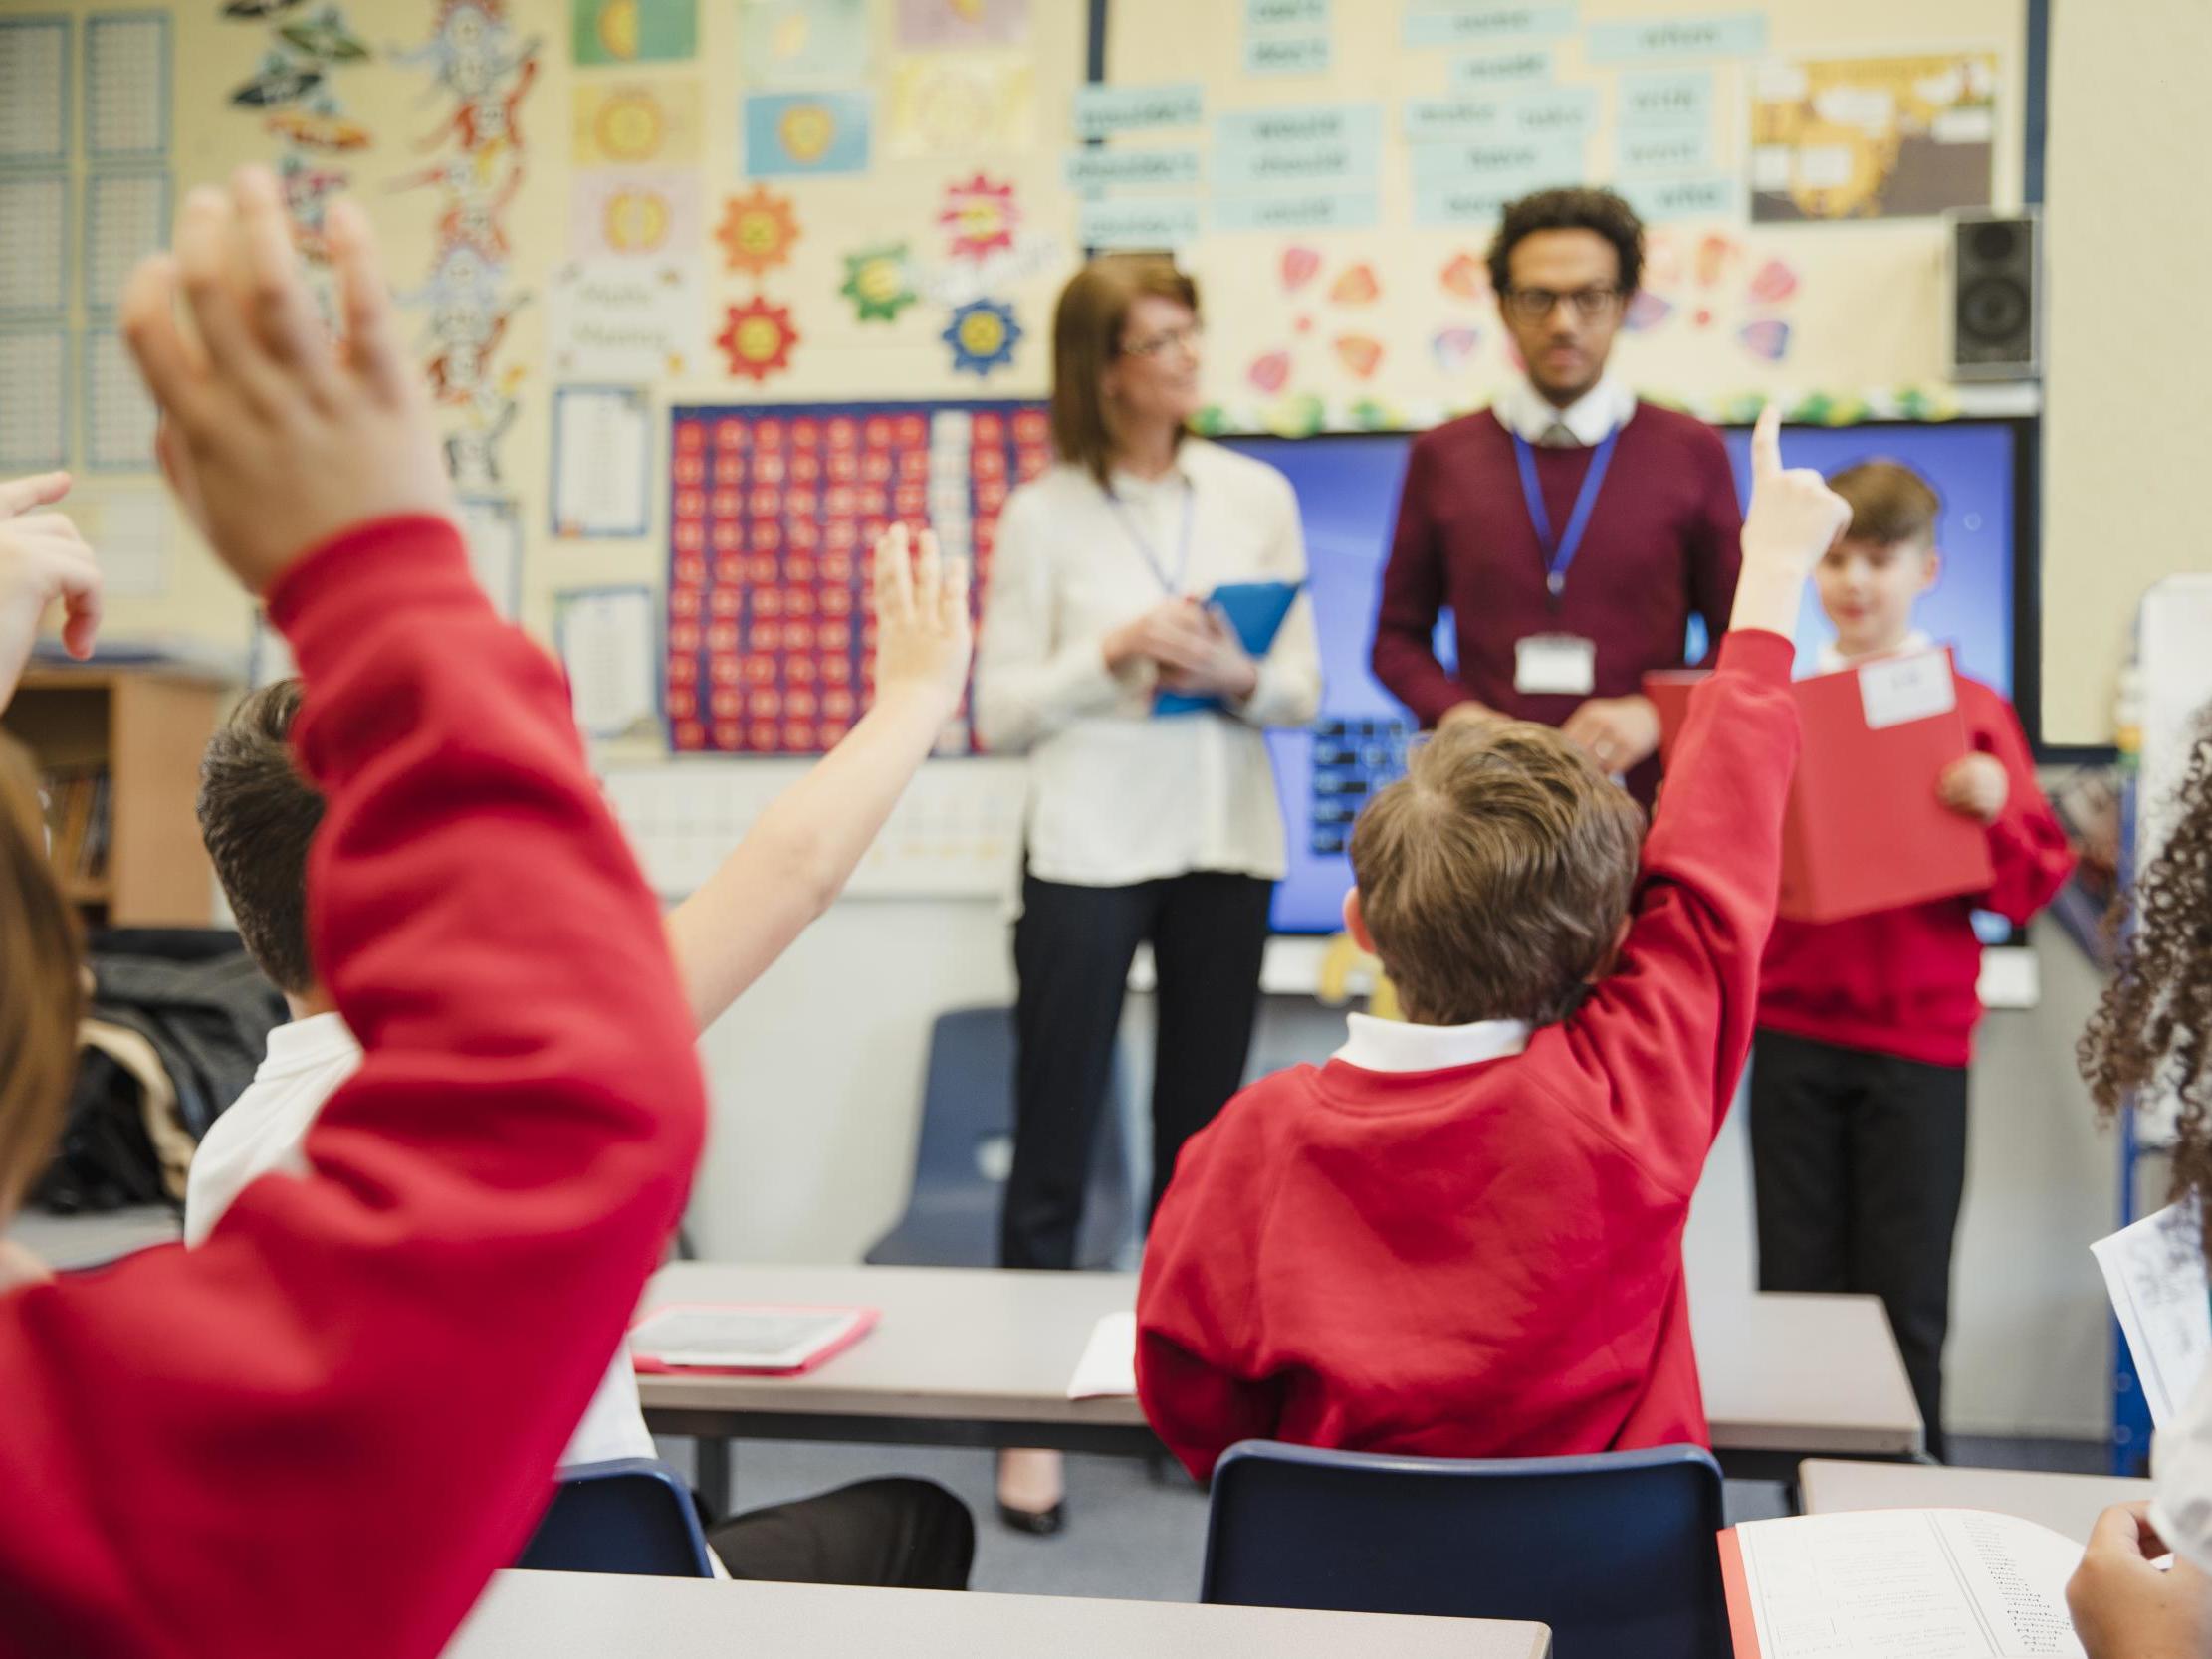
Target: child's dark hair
{"x": 1576, "y": 209}
{"x": 259, "y": 816}
{"x": 2151, "y": 1035}
{"x": 1890, "y": 503}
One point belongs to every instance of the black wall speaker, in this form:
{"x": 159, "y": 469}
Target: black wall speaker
{"x": 1996, "y": 295}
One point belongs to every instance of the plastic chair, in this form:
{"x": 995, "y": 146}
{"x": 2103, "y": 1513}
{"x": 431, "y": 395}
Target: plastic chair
{"x": 966, "y": 1147}
{"x": 1615, "y": 1551}
{"x": 631, "y": 1514}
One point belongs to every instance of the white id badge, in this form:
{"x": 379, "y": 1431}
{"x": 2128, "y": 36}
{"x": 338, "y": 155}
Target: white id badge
{"x": 1555, "y": 665}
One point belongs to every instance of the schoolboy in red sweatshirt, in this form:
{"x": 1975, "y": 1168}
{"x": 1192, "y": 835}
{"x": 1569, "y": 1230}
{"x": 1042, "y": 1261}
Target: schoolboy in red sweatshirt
{"x": 321, "y": 1431}
{"x": 1462, "y": 1236}
{"x": 1866, "y": 1025}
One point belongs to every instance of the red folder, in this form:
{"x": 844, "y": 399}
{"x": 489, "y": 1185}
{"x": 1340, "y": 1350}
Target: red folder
{"x": 1864, "y": 829}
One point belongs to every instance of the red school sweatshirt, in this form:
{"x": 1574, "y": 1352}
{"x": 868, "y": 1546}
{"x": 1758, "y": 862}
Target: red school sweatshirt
{"x": 1486, "y": 1260}
{"x": 1905, "y": 981}
{"x": 321, "y": 1431}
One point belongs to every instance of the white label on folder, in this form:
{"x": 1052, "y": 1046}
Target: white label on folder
{"x": 1555, "y": 665}
{"x": 1907, "y": 688}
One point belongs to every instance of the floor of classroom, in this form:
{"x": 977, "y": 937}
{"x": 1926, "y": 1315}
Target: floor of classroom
{"x": 1132, "y": 1531}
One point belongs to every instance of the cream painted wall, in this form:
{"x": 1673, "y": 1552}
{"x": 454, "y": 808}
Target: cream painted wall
{"x": 2129, "y": 391}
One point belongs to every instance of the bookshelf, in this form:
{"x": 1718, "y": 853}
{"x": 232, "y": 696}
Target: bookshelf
{"x": 120, "y": 751}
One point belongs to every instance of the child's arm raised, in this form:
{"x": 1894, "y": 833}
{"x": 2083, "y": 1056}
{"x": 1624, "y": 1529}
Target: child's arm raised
{"x": 800, "y": 853}
{"x": 323, "y": 1430}
{"x": 1672, "y": 1022}
{"x": 42, "y": 559}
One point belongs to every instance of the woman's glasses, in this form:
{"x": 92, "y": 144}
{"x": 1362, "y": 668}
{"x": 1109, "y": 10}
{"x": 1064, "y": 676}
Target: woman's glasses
{"x": 1153, "y": 346}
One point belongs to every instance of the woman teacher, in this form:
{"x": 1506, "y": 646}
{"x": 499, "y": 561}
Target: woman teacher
{"x": 1142, "y": 823}
{"x": 1572, "y": 529}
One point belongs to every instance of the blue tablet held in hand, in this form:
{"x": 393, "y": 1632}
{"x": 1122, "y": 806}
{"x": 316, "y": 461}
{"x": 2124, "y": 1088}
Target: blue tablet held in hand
{"x": 1255, "y": 612}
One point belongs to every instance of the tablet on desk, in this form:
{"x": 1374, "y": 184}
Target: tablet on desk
{"x": 754, "y": 1338}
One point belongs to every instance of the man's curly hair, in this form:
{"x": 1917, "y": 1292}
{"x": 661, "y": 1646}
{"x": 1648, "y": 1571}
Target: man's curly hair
{"x": 2151, "y": 1036}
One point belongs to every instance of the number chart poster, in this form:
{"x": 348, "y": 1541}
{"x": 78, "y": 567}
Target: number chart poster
{"x": 773, "y": 514}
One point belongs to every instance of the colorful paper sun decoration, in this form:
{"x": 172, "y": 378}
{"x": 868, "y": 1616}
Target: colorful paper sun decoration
{"x": 757, "y": 231}
{"x": 758, "y": 339}
{"x": 876, "y": 283}
{"x": 979, "y": 217}
{"x": 982, "y": 335}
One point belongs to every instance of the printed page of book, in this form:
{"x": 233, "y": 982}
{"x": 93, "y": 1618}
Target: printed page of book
{"x": 1907, "y": 1584}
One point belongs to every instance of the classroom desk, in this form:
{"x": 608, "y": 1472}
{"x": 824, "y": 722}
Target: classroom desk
{"x": 587, "y": 1615}
{"x": 977, "y": 1357}
{"x": 2068, "y": 1503}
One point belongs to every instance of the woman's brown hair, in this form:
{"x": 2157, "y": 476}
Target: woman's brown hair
{"x": 1086, "y": 338}
{"x": 2151, "y": 1035}
{"x": 41, "y": 997}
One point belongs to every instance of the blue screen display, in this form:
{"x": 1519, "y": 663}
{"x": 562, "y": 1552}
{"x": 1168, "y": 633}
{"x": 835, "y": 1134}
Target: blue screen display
{"x": 1347, "y": 488}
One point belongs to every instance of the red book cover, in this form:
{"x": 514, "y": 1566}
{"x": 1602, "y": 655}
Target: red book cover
{"x": 1864, "y": 830}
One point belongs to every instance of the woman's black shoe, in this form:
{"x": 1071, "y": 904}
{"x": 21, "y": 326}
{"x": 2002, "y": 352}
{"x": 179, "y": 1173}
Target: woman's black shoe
{"x": 1036, "y": 1523}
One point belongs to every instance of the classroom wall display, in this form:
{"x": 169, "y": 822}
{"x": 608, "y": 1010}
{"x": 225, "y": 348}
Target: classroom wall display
{"x": 1401, "y": 159}
{"x": 773, "y": 514}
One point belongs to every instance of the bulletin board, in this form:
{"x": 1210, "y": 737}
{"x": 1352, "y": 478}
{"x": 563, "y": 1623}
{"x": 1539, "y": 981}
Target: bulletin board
{"x": 599, "y": 213}
{"x": 1789, "y": 160}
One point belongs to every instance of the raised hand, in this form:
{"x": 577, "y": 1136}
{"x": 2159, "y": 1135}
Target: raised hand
{"x": 923, "y": 636}
{"x": 41, "y": 559}
{"x": 1794, "y": 518}
{"x": 276, "y": 436}
{"x": 2125, "y": 1606}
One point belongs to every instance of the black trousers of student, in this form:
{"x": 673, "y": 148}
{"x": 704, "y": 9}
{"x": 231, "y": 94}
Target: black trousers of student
{"x": 1859, "y": 1163}
{"x": 1072, "y": 952}
{"x": 897, "y": 1534}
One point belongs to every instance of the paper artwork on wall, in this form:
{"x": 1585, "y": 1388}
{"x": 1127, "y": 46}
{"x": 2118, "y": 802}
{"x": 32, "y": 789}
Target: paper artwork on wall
{"x": 1454, "y": 347}
{"x": 491, "y": 527}
{"x": 1466, "y": 276}
{"x": 608, "y": 647}
{"x": 1360, "y": 354}
{"x": 958, "y": 102}
{"x": 625, "y": 320}
{"x": 979, "y": 217}
{"x": 131, "y": 527}
{"x": 633, "y": 213}
{"x": 803, "y": 43}
{"x": 33, "y": 416}
{"x": 603, "y": 445}
{"x": 1298, "y": 266}
{"x": 1356, "y": 284}
{"x": 35, "y": 252}
{"x": 297, "y": 88}
{"x": 485, "y": 70}
{"x": 982, "y": 334}
{"x": 758, "y": 231}
{"x": 1887, "y": 137}
{"x": 632, "y": 31}
{"x": 636, "y": 123}
{"x": 935, "y": 25}
{"x": 127, "y": 86}
{"x": 758, "y": 339}
{"x": 34, "y": 91}
{"x": 1715, "y": 282}
{"x": 805, "y": 134}
{"x": 120, "y": 416}
{"x": 878, "y": 283}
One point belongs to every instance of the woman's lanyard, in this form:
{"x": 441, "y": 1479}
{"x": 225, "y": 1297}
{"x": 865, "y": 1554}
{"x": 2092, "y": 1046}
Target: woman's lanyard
{"x": 1560, "y": 554}
{"x": 1170, "y": 585}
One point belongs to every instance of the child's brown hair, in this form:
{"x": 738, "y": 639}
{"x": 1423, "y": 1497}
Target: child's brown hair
{"x": 1889, "y": 503}
{"x": 1495, "y": 874}
{"x": 259, "y": 816}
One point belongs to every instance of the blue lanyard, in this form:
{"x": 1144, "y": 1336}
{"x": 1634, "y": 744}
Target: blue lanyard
{"x": 1559, "y": 554}
{"x": 1171, "y": 584}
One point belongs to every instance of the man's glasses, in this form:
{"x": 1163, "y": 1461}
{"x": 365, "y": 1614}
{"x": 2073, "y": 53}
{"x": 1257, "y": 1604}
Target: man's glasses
{"x": 1158, "y": 346}
{"x": 1535, "y": 304}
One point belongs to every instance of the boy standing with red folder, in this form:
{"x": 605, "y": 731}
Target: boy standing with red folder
{"x": 1866, "y": 1025}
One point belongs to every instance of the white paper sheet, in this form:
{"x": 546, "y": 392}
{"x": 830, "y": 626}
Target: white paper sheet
{"x": 130, "y": 533}
{"x": 33, "y": 416}
{"x": 493, "y": 528}
{"x": 126, "y": 217}
{"x": 1909, "y": 1584}
{"x": 127, "y": 84}
{"x": 2155, "y": 1273}
{"x": 1108, "y": 1368}
{"x": 606, "y": 640}
{"x": 34, "y": 254}
{"x": 33, "y": 91}
{"x": 626, "y": 319}
{"x": 602, "y": 443}
{"x": 120, "y": 417}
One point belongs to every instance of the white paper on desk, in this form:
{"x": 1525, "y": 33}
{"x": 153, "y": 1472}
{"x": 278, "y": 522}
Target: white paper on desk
{"x": 2155, "y": 1273}
{"x": 1108, "y": 1368}
{"x": 1909, "y": 1584}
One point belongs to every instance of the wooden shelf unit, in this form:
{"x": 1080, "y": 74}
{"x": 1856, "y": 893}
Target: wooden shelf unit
{"x": 147, "y": 726}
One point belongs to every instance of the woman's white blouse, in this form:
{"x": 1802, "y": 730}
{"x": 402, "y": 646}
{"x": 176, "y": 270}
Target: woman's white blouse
{"x": 1117, "y": 795}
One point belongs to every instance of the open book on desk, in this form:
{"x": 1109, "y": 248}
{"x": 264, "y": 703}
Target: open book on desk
{"x": 1900, "y": 1584}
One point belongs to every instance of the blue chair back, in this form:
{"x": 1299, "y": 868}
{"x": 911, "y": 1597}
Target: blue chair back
{"x": 1616, "y": 1552}
{"x": 631, "y": 1515}
{"x": 967, "y": 1139}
